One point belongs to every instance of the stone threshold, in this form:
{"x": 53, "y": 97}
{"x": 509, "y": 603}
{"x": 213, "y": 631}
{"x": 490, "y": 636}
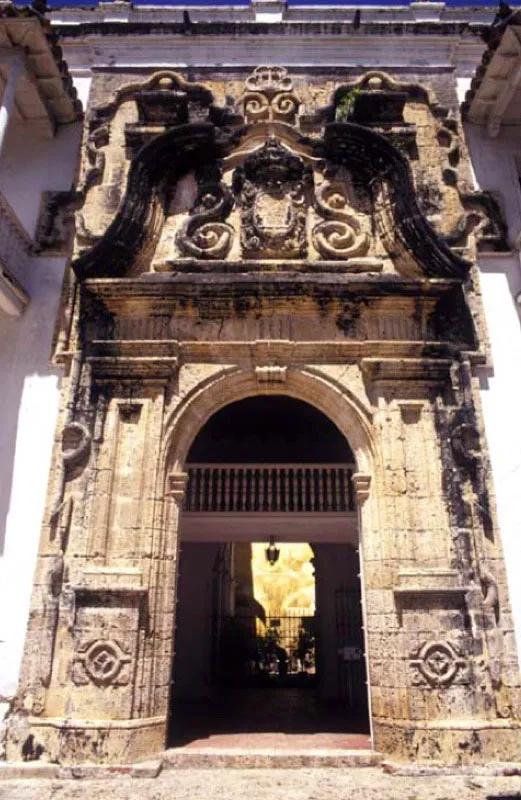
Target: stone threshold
{"x": 265, "y": 758}
{"x": 194, "y": 758}
{"x": 235, "y": 758}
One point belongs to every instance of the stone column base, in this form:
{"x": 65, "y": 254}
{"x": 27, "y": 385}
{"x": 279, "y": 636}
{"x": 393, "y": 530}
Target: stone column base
{"x": 66, "y": 741}
{"x": 449, "y": 742}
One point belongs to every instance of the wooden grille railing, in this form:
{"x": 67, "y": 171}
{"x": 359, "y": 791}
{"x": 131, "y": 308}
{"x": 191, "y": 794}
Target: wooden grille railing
{"x": 270, "y": 488}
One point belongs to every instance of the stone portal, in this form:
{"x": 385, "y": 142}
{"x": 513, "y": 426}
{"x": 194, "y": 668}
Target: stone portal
{"x": 302, "y": 240}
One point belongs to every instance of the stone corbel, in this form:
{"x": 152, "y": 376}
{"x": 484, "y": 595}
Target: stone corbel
{"x": 177, "y": 482}
{"x": 362, "y": 485}
{"x": 410, "y": 410}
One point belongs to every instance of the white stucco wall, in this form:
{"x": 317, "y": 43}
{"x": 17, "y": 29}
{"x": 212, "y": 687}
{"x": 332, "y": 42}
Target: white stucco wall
{"x": 29, "y": 164}
{"x": 501, "y": 398}
{"x": 30, "y": 399}
{"x": 494, "y": 167}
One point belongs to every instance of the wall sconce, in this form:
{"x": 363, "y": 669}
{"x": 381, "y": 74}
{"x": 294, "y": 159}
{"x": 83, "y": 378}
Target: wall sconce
{"x": 272, "y": 552}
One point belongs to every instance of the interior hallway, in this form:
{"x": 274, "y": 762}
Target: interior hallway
{"x": 290, "y": 718}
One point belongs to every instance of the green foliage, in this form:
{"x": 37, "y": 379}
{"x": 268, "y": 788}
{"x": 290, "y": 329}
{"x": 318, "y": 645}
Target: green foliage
{"x": 346, "y": 104}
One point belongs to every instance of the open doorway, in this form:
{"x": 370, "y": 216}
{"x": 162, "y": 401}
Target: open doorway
{"x": 269, "y": 644}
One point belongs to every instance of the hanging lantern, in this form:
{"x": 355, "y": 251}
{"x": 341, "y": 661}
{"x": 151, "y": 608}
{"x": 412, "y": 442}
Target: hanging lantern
{"x": 272, "y": 552}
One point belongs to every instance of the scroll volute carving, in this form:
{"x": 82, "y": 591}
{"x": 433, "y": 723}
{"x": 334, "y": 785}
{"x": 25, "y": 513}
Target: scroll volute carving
{"x": 342, "y": 235}
{"x": 272, "y": 187}
{"x": 269, "y": 96}
{"x": 205, "y": 234}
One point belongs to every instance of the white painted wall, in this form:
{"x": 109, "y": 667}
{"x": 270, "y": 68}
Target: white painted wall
{"x": 82, "y": 79}
{"x": 501, "y": 399}
{"x": 30, "y": 396}
{"x": 32, "y": 163}
{"x": 494, "y": 167}
{"x": 29, "y": 164}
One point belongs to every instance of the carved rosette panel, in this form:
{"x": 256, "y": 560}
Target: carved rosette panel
{"x": 269, "y": 96}
{"x": 205, "y": 234}
{"x": 341, "y": 235}
{"x": 439, "y": 664}
{"x": 102, "y": 662}
{"x": 272, "y": 187}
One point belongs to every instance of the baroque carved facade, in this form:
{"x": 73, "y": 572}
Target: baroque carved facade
{"x": 272, "y": 234}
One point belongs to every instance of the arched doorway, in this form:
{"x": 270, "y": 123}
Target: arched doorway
{"x": 269, "y": 468}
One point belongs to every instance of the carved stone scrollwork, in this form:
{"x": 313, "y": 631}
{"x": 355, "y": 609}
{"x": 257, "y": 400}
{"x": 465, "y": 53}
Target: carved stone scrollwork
{"x": 76, "y": 441}
{"x": 102, "y": 662}
{"x": 269, "y": 96}
{"x": 272, "y": 188}
{"x": 97, "y": 138}
{"x": 34, "y": 699}
{"x": 205, "y": 234}
{"x": 490, "y": 592}
{"x": 465, "y": 443}
{"x": 55, "y": 223}
{"x": 269, "y": 79}
{"x": 484, "y": 217}
{"x": 438, "y": 664}
{"x": 341, "y": 236}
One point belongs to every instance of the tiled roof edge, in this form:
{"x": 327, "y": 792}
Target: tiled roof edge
{"x": 37, "y": 11}
{"x": 492, "y": 37}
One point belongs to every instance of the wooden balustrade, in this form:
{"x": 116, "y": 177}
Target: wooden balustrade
{"x": 225, "y": 488}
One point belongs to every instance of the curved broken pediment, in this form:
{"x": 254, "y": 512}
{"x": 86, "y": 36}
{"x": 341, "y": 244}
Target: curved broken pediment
{"x": 409, "y": 239}
{"x": 202, "y": 189}
{"x": 357, "y": 202}
{"x": 137, "y": 225}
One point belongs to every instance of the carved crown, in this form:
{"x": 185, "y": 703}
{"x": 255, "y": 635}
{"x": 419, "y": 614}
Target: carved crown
{"x": 273, "y": 165}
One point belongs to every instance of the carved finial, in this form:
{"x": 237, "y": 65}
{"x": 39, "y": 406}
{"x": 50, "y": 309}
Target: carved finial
{"x": 269, "y": 95}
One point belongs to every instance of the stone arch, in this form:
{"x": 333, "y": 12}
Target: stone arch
{"x": 329, "y": 396}
{"x": 231, "y": 384}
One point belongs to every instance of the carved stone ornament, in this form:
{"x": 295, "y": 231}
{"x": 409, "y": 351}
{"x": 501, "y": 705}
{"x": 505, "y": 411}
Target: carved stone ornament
{"x": 164, "y": 99}
{"x": 55, "y": 225}
{"x": 465, "y": 443}
{"x": 76, "y": 440}
{"x": 177, "y": 482}
{"x": 271, "y": 374}
{"x": 272, "y": 188}
{"x": 438, "y": 664}
{"x": 341, "y": 235}
{"x": 102, "y": 662}
{"x": 205, "y": 234}
{"x": 34, "y": 699}
{"x": 269, "y": 96}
